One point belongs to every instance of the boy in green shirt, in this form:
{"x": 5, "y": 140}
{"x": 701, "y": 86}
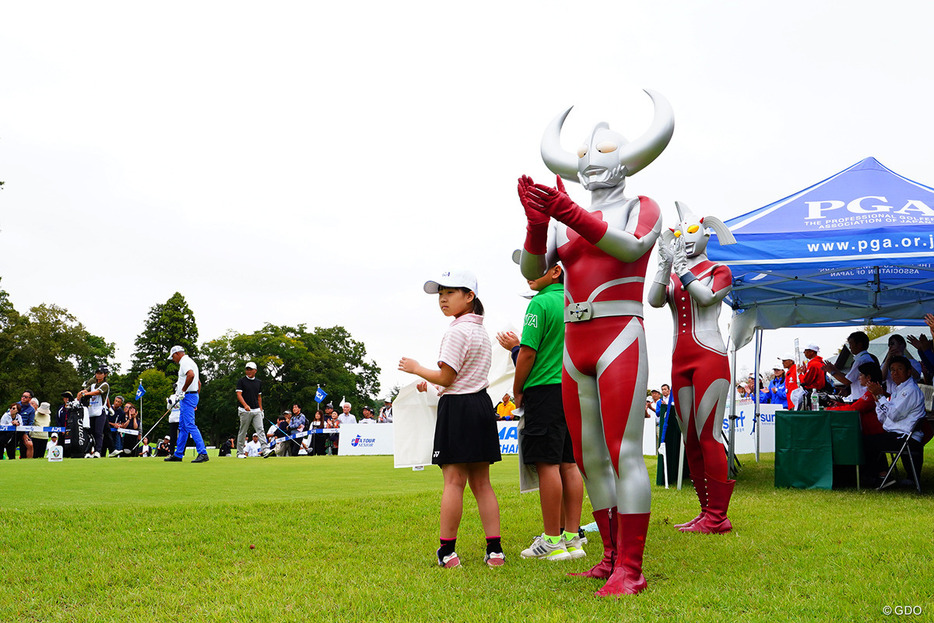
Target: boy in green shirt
{"x": 544, "y": 438}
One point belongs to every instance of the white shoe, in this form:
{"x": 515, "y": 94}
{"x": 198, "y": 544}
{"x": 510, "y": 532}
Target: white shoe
{"x": 88, "y": 455}
{"x": 241, "y": 456}
{"x": 96, "y": 455}
{"x": 575, "y": 547}
{"x": 543, "y": 550}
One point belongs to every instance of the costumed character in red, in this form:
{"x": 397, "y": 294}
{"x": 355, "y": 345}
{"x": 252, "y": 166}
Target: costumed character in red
{"x": 693, "y": 287}
{"x": 604, "y": 250}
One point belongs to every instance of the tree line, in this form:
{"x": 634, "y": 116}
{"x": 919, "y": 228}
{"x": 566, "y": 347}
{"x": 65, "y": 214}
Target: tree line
{"x": 49, "y": 351}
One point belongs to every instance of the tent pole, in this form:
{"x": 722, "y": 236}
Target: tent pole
{"x": 755, "y": 417}
{"x": 732, "y": 415}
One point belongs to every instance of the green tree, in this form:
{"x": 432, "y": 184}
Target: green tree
{"x": 9, "y": 361}
{"x": 158, "y": 388}
{"x": 167, "y": 324}
{"x": 47, "y": 351}
{"x": 874, "y": 331}
{"x": 291, "y": 363}
{"x": 348, "y": 361}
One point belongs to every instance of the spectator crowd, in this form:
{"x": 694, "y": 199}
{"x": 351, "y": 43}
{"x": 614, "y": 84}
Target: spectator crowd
{"x": 91, "y": 425}
{"x": 113, "y": 426}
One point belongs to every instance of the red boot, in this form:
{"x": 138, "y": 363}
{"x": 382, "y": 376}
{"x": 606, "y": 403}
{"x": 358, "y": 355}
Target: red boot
{"x": 695, "y": 457}
{"x": 700, "y": 486}
{"x": 715, "y": 521}
{"x": 627, "y": 578}
{"x": 606, "y": 522}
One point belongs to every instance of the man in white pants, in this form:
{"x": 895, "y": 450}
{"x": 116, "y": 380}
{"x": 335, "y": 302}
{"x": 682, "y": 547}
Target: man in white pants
{"x": 250, "y": 409}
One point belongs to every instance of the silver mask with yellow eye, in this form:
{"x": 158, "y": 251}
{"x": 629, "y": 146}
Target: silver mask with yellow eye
{"x": 607, "y": 158}
{"x": 692, "y": 232}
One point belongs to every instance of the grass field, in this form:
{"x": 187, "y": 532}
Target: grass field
{"x": 352, "y": 539}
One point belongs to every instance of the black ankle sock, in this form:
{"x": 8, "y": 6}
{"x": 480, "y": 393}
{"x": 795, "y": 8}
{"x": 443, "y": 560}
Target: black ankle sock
{"x": 493, "y": 545}
{"x": 447, "y": 547}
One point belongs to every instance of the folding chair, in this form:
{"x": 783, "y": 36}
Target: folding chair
{"x": 907, "y": 446}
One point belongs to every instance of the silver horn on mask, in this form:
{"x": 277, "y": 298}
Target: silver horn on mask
{"x": 634, "y": 156}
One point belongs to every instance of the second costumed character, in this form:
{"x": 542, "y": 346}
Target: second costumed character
{"x": 693, "y": 287}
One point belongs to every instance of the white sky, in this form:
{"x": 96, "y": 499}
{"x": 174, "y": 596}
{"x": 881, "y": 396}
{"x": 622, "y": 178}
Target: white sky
{"x": 316, "y": 162}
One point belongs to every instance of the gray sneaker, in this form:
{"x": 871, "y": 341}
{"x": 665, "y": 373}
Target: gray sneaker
{"x": 543, "y": 550}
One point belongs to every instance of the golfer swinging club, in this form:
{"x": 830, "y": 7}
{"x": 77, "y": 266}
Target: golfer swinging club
{"x": 186, "y": 395}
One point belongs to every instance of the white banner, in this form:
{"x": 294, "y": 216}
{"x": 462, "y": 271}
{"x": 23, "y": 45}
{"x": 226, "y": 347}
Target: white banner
{"x": 508, "y": 436}
{"x": 745, "y": 431}
{"x": 649, "y": 447}
{"x": 360, "y": 439}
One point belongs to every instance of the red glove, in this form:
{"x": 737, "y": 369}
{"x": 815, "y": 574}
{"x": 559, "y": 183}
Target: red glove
{"x": 556, "y": 203}
{"x": 536, "y": 231}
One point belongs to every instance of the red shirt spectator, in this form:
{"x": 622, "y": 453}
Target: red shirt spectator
{"x": 791, "y": 378}
{"x": 814, "y": 376}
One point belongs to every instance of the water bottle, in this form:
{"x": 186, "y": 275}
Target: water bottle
{"x": 815, "y": 401}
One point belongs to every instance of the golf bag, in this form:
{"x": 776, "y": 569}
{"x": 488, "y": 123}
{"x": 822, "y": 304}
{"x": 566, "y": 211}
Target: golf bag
{"x": 78, "y": 439}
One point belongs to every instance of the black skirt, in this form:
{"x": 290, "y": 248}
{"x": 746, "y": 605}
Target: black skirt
{"x": 466, "y": 430}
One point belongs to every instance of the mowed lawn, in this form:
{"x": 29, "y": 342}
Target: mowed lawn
{"x": 352, "y": 539}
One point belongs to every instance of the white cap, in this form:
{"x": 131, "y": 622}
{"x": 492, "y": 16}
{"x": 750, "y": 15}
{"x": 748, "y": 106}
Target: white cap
{"x": 175, "y": 349}
{"x": 787, "y": 356}
{"x": 813, "y": 347}
{"x": 250, "y": 364}
{"x": 453, "y": 279}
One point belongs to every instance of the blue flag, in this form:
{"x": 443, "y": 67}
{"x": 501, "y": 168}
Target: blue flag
{"x": 320, "y": 395}
{"x": 140, "y": 392}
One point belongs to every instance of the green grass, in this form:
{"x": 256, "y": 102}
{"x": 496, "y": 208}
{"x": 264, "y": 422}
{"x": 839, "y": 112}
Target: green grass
{"x": 352, "y": 539}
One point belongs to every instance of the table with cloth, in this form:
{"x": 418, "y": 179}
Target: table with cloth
{"x": 809, "y": 443}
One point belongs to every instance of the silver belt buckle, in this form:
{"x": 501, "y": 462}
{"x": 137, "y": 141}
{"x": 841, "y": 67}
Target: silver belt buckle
{"x": 579, "y": 312}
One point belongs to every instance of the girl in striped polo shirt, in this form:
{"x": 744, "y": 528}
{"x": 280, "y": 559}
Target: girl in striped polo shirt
{"x": 466, "y": 436}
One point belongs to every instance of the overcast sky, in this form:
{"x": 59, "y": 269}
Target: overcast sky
{"x": 296, "y": 162}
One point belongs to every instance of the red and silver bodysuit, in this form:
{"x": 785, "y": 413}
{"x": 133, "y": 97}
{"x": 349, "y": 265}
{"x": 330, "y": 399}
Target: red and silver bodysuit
{"x": 700, "y": 371}
{"x": 605, "y": 360}
{"x": 604, "y": 251}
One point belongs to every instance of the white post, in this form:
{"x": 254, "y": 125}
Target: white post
{"x": 755, "y": 418}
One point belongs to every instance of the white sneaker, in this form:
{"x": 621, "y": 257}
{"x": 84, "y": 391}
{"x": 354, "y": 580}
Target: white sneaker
{"x": 543, "y": 550}
{"x": 575, "y": 547}
{"x": 96, "y": 455}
